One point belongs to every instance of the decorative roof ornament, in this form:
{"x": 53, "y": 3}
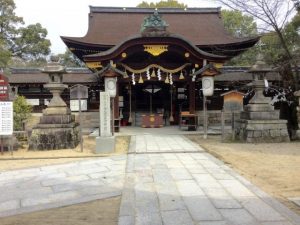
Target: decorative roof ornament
{"x": 154, "y": 25}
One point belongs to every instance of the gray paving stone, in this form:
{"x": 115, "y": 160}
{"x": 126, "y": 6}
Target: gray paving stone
{"x": 170, "y": 156}
{"x": 197, "y": 202}
{"x": 126, "y": 220}
{"x": 148, "y": 219}
{"x": 174, "y": 163}
{"x": 10, "y": 205}
{"x": 206, "y": 181}
{"x": 196, "y": 169}
{"x": 77, "y": 185}
{"x": 277, "y": 223}
{"x": 213, "y": 223}
{"x": 178, "y": 217}
{"x": 189, "y": 188}
{"x": 238, "y": 217}
{"x": 199, "y": 156}
{"x": 127, "y": 207}
{"x": 221, "y": 199}
{"x": 81, "y": 171}
{"x": 162, "y": 176}
{"x": 207, "y": 163}
{"x": 236, "y": 189}
{"x": 64, "y": 180}
{"x": 201, "y": 208}
{"x": 146, "y": 199}
{"x": 169, "y": 197}
{"x": 180, "y": 174}
{"x": 16, "y": 193}
{"x": 57, "y": 197}
{"x": 222, "y": 176}
{"x": 261, "y": 210}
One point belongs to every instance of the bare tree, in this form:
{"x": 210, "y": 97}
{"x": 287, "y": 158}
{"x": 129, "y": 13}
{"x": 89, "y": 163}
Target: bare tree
{"x": 273, "y": 15}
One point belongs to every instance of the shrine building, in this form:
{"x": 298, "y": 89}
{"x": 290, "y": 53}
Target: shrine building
{"x": 157, "y": 56}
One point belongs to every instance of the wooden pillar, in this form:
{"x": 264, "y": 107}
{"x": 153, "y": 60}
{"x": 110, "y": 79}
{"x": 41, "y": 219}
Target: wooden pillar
{"x": 116, "y": 103}
{"x": 192, "y": 101}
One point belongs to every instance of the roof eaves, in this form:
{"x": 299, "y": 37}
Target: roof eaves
{"x": 113, "y": 49}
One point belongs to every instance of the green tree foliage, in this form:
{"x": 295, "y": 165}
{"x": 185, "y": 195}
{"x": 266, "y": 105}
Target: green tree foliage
{"x": 162, "y": 4}
{"x": 68, "y": 59}
{"x": 240, "y": 25}
{"x": 5, "y": 54}
{"x": 28, "y": 43}
{"x": 22, "y": 112}
{"x": 8, "y": 21}
{"x": 31, "y": 43}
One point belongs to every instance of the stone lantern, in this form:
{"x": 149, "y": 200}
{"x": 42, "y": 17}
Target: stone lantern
{"x": 259, "y": 121}
{"x": 57, "y": 128}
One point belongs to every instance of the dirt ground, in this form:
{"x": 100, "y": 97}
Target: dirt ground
{"x": 275, "y": 168}
{"x": 22, "y": 158}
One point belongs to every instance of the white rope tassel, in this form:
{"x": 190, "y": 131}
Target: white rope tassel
{"x": 148, "y": 74}
{"x": 159, "y": 74}
{"x": 133, "y": 79}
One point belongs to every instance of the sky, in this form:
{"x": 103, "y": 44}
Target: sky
{"x": 70, "y": 17}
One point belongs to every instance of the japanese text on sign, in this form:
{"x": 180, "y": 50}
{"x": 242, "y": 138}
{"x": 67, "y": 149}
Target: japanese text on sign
{"x": 6, "y": 118}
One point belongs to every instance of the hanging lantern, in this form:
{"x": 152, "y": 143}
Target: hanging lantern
{"x": 208, "y": 85}
{"x": 141, "y": 79}
{"x": 181, "y": 77}
{"x": 167, "y": 81}
{"x": 153, "y": 73}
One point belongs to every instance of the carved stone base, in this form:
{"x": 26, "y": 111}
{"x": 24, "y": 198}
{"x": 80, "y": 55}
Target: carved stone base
{"x": 297, "y": 135}
{"x": 46, "y": 138}
{"x": 105, "y": 144}
{"x": 262, "y": 131}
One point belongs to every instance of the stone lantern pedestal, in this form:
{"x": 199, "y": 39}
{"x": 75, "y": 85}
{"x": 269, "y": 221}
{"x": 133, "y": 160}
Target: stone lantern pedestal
{"x": 57, "y": 128}
{"x": 297, "y": 94}
{"x": 259, "y": 121}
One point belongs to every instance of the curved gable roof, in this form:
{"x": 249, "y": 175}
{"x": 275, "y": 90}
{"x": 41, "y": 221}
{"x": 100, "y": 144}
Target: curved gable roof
{"x": 109, "y": 26}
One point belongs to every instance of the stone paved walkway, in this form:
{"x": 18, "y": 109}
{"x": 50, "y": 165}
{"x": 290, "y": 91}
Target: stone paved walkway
{"x": 164, "y": 180}
{"x": 47, "y": 187}
{"x": 190, "y": 188}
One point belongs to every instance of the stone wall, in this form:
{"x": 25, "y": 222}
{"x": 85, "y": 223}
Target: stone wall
{"x": 214, "y": 117}
{"x": 254, "y": 131}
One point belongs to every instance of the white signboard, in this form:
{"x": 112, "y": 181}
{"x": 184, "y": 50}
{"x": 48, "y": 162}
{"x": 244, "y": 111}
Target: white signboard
{"x": 33, "y": 101}
{"x": 74, "y": 105}
{"x": 105, "y": 124}
{"x": 6, "y": 118}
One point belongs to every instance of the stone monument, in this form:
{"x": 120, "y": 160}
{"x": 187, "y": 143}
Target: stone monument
{"x": 297, "y": 94}
{"x": 57, "y": 128}
{"x": 105, "y": 143}
{"x": 259, "y": 121}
